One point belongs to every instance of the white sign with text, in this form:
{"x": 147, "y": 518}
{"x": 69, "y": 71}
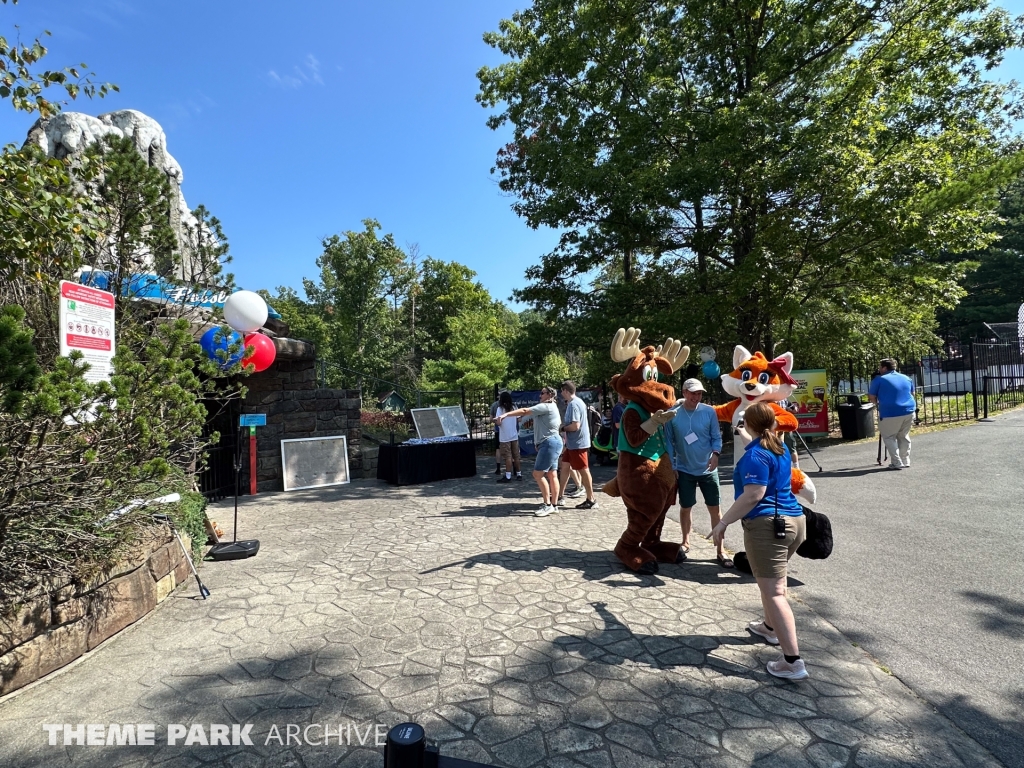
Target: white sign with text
{"x": 87, "y": 325}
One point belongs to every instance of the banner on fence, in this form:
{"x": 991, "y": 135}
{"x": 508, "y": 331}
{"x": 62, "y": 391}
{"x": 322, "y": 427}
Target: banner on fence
{"x": 524, "y": 398}
{"x": 810, "y": 402}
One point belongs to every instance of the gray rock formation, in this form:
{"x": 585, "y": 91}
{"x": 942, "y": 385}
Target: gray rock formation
{"x": 67, "y": 134}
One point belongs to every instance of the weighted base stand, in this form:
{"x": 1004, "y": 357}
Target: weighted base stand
{"x": 235, "y": 549}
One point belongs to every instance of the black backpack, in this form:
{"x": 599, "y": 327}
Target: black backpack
{"x": 818, "y": 544}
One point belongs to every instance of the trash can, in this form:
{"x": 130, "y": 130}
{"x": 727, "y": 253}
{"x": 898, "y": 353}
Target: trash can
{"x": 856, "y": 419}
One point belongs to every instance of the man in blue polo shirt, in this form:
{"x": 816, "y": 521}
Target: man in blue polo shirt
{"x": 893, "y": 393}
{"x": 694, "y": 441}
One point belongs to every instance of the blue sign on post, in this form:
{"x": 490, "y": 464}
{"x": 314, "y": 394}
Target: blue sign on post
{"x": 252, "y": 420}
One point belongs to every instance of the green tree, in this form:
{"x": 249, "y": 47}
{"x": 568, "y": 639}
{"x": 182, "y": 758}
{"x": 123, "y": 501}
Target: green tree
{"x": 134, "y": 233}
{"x": 446, "y": 290}
{"x": 995, "y": 290}
{"x": 25, "y": 87}
{"x": 302, "y": 318}
{"x": 72, "y": 450}
{"x": 474, "y": 360}
{"x": 724, "y": 168}
{"x": 41, "y": 213}
{"x": 361, "y": 278}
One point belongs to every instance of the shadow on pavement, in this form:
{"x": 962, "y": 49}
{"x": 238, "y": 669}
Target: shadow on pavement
{"x": 577, "y": 692}
{"x": 1000, "y": 615}
{"x": 1002, "y": 737}
{"x": 597, "y": 565}
{"x": 614, "y": 644}
{"x": 850, "y": 472}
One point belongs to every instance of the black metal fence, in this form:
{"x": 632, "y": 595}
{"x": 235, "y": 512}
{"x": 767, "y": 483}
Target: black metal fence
{"x": 217, "y": 478}
{"x": 967, "y": 380}
{"x": 377, "y": 393}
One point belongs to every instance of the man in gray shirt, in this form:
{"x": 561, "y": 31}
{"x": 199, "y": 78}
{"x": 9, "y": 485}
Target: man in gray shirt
{"x": 576, "y": 427}
{"x": 549, "y": 445}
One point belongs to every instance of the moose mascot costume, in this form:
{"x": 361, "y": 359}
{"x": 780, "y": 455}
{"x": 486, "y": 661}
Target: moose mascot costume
{"x": 645, "y": 479}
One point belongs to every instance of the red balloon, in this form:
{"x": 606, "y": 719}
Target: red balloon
{"x": 263, "y": 353}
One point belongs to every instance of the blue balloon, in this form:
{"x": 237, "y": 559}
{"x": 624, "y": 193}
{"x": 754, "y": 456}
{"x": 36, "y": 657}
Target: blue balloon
{"x": 711, "y": 369}
{"x": 218, "y": 340}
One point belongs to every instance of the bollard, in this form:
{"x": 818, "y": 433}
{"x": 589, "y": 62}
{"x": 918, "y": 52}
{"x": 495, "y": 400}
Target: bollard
{"x": 406, "y": 747}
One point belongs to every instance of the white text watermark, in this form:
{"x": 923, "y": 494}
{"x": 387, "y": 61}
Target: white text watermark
{"x": 214, "y": 734}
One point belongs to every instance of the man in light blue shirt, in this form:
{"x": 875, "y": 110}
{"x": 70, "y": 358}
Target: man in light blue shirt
{"x": 694, "y": 441}
{"x": 576, "y": 427}
{"x": 893, "y": 393}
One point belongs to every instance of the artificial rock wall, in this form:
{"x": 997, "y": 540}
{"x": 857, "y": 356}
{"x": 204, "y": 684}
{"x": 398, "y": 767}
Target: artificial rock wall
{"x": 56, "y": 624}
{"x": 287, "y": 393}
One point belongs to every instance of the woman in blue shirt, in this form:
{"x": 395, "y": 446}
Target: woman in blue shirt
{"x": 762, "y": 480}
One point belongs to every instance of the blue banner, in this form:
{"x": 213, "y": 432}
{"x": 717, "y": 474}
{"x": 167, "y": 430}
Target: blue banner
{"x": 156, "y": 288}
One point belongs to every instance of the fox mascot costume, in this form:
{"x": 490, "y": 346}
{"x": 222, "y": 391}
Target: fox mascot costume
{"x": 756, "y": 379}
{"x": 645, "y": 479}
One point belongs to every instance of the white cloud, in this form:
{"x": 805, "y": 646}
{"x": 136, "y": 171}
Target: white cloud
{"x": 306, "y": 73}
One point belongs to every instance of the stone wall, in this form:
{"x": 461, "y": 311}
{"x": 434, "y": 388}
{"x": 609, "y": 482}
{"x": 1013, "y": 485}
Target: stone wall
{"x": 54, "y": 626}
{"x": 287, "y": 393}
{"x": 370, "y": 453}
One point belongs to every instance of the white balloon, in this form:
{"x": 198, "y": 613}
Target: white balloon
{"x": 245, "y": 311}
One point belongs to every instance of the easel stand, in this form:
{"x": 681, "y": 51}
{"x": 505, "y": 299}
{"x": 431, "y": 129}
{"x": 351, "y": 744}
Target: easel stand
{"x": 809, "y": 451}
{"x": 203, "y": 591}
{"x": 235, "y": 549}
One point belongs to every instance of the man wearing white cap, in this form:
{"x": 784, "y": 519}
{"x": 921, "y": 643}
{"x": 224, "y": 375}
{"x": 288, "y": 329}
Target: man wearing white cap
{"x": 694, "y": 441}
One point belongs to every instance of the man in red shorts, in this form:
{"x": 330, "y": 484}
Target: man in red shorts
{"x": 576, "y": 428}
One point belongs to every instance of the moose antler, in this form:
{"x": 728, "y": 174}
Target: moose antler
{"x": 626, "y": 344}
{"x": 674, "y": 352}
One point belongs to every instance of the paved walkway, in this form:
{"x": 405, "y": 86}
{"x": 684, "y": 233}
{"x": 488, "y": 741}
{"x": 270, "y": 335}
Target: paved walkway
{"x": 514, "y": 640}
{"x": 927, "y": 574}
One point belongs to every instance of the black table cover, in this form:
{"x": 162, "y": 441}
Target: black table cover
{"x": 404, "y": 464}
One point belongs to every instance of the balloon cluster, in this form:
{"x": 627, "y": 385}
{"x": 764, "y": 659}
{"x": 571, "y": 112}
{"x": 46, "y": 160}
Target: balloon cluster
{"x": 709, "y": 367}
{"x": 245, "y": 312}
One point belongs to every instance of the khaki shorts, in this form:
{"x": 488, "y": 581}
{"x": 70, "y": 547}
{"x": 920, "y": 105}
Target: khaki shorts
{"x": 577, "y": 458}
{"x": 767, "y": 555}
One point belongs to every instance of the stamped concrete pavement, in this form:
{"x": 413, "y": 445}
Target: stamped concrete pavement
{"x": 514, "y": 640}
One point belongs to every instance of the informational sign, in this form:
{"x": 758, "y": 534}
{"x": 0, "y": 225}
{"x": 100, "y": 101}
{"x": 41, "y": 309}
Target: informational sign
{"x": 252, "y": 420}
{"x": 314, "y": 462}
{"x": 810, "y": 402}
{"x": 87, "y": 326}
{"x": 448, "y": 421}
{"x": 453, "y": 420}
{"x": 428, "y": 423}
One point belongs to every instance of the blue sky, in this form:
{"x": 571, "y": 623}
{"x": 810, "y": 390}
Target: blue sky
{"x": 294, "y": 121}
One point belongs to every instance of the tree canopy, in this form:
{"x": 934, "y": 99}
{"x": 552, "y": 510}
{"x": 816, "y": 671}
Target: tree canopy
{"x": 738, "y": 171}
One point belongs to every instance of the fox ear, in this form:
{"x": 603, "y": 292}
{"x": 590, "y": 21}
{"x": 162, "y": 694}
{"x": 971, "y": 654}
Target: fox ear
{"x": 787, "y": 365}
{"x": 740, "y": 355}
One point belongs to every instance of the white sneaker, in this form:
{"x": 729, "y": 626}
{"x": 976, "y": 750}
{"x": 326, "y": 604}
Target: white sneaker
{"x": 575, "y": 494}
{"x": 895, "y": 466}
{"x": 545, "y": 510}
{"x": 782, "y": 668}
{"x": 759, "y": 629}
